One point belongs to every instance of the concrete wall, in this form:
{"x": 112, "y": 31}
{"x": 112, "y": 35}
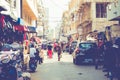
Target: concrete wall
{"x": 113, "y": 10}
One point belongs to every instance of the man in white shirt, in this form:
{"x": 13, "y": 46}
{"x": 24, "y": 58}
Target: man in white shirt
{"x": 32, "y": 51}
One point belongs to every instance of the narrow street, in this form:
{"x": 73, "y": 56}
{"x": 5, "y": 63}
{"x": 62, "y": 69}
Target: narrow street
{"x": 51, "y": 69}
{"x": 90, "y": 28}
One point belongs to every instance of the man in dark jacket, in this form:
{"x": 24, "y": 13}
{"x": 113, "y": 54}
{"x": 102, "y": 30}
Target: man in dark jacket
{"x": 110, "y": 57}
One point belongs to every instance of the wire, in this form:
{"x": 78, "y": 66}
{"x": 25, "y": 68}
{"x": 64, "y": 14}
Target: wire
{"x": 56, "y": 5}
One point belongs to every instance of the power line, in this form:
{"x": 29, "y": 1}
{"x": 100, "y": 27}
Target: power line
{"x": 56, "y": 5}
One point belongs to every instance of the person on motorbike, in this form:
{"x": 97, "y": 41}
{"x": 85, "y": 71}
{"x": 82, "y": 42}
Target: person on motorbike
{"x": 33, "y": 60}
{"x": 32, "y": 51}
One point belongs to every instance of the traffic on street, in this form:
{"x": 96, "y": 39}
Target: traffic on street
{"x": 59, "y": 39}
{"x": 65, "y": 70}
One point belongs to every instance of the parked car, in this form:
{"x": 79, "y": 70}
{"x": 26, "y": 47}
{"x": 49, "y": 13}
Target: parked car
{"x": 85, "y": 52}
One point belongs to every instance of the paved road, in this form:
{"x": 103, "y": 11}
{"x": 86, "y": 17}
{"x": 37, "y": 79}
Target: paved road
{"x": 52, "y": 69}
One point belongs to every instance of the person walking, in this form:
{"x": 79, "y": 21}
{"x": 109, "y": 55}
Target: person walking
{"x": 59, "y": 50}
{"x": 49, "y": 51}
{"x": 109, "y": 58}
{"x": 99, "y": 53}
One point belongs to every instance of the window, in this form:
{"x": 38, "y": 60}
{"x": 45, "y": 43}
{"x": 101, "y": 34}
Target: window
{"x": 101, "y": 10}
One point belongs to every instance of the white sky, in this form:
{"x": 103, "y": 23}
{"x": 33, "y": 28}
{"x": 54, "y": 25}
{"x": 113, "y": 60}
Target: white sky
{"x": 56, "y": 9}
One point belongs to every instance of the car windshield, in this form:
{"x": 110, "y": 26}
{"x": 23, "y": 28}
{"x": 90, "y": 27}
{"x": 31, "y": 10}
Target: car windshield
{"x": 86, "y": 45}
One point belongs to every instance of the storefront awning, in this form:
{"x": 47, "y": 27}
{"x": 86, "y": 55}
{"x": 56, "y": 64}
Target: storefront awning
{"x": 32, "y": 29}
{"x": 20, "y": 28}
{"x": 37, "y": 39}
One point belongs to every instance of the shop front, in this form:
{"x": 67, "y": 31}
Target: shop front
{"x": 32, "y": 31}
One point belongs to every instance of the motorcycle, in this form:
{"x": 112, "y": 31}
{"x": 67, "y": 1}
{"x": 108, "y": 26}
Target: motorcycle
{"x": 10, "y": 65}
{"x": 33, "y": 64}
{"x": 7, "y": 69}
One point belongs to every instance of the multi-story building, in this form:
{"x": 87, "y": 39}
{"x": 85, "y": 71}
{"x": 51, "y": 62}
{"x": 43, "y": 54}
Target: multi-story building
{"x": 29, "y": 14}
{"x": 19, "y": 15}
{"x": 24, "y": 12}
{"x": 73, "y": 18}
{"x": 94, "y": 16}
{"x": 88, "y": 16}
{"x": 65, "y": 23}
{"x": 40, "y": 23}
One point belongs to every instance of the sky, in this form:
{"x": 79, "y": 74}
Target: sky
{"x": 56, "y": 9}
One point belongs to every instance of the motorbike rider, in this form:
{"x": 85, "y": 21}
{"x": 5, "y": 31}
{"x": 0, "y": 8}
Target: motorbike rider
{"x": 33, "y": 61}
{"x": 32, "y": 51}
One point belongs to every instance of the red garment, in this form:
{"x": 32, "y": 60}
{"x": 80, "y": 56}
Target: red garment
{"x": 55, "y": 44}
{"x": 100, "y": 44}
{"x": 2, "y": 21}
{"x": 50, "y": 53}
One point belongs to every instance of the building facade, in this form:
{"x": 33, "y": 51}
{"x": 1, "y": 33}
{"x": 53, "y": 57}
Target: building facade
{"x": 88, "y": 16}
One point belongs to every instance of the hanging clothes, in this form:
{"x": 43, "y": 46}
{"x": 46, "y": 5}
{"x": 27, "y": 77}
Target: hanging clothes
{"x": 2, "y": 20}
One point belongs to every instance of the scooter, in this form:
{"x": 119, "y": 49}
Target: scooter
{"x": 10, "y": 66}
{"x": 33, "y": 64}
{"x": 7, "y": 70}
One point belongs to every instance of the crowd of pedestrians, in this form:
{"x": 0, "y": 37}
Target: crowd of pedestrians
{"x": 111, "y": 58}
{"x": 108, "y": 54}
{"x": 57, "y": 47}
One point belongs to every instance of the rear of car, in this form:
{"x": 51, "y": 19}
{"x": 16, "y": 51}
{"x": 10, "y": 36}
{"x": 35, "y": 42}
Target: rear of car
{"x": 85, "y": 53}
